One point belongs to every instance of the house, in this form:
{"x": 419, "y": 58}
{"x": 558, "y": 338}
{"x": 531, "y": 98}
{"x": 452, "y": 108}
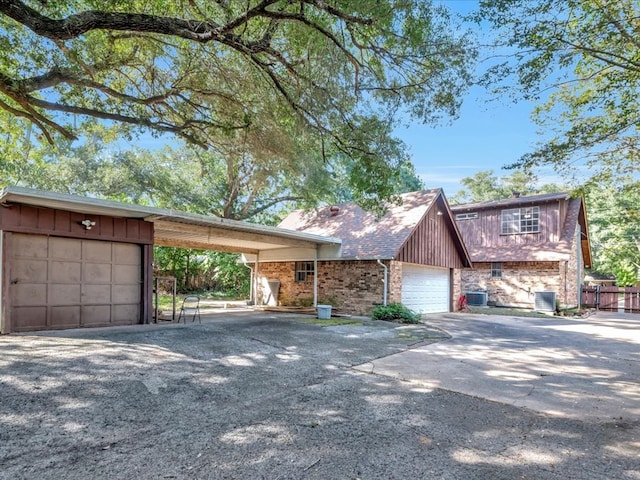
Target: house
{"x": 69, "y": 261}
{"x": 526, "y": 251}
{"x": 409, "y": 255}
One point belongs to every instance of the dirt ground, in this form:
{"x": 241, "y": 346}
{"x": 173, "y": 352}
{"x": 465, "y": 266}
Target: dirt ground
{"x": 269, "y": 397}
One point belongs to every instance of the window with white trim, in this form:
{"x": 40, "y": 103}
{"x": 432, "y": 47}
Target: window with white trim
{"x": 496, "y": 269}
{"x": 466, "y": 216}
{"x": 303, "y": 271}
{"x": 520, "y": 220}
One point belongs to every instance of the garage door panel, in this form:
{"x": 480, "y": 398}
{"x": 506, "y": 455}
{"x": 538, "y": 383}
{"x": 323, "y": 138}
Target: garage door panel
{"x": 123, "y": 294}
{"x": 127, "y": 273}
{"x": 31, "y": 246}
{"x": 29, "y": 318}
{"x": 94, "y": 294}
{"x": 126, "y": 314}
{"x": 97, "y": 273}
{"x": 94, "y": 251}
{"x": 61, "y": 294}
{"x": 29, "y": 294}
{"x": 124, "y": 253}
{"x": 65, "y": 317}
{"x": 65, "y": 248}
{"x": 25, "y": 270}
{"x": 66, "y": 272}
{"x": 96, "y": 315}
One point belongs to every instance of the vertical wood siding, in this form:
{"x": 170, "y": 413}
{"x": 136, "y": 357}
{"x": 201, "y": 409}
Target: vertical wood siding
{"x": 431, "y": 243}
{"x": 485, "y": 230}
{"x": 47, "y": 221}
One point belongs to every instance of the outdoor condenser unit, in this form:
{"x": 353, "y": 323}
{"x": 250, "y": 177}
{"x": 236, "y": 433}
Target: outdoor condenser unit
{"x": 545, "y": 301}
{"x": 476, "y": 299}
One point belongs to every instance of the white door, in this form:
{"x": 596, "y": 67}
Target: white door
{"x": 425, "y": 289}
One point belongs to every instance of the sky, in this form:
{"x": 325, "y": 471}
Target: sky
{"x": 489, "y": 134}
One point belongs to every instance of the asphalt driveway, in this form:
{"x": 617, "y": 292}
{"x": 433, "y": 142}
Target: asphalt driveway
{"x": 263, "y": 396}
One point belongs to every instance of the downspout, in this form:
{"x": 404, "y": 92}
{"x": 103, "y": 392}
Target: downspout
{"x": 255, "y": 278}
{"x": 315, "y": 278}
{"x": 384, "y": 282}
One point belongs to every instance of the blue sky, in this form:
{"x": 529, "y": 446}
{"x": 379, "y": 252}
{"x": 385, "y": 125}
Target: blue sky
{"x": 489, "y": 134}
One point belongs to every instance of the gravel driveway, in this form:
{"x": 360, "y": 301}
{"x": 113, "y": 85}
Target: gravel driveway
{"x": 270, "y": 397}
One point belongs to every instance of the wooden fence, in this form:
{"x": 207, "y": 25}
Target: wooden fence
{"x": 612, "y": 299}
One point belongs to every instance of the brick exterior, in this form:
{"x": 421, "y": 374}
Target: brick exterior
{"x": 352, "y": 286}
{"x": 520, "y": 281}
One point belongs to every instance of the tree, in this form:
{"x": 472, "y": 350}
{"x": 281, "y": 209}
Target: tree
{"x": 486, "y": 186}
{"x": 344, "y": 70}
{"x": 614, "y": 225}
{"x": 581, "y": 60}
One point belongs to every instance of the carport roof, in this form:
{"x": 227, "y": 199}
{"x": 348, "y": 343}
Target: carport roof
{"x": 175, "y": 228}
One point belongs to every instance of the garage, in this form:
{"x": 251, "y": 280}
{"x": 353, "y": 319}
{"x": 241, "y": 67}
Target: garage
{"x": 426, "y": 289}
{"x": 69, "y": 261}
{"x": 58, "y": 282}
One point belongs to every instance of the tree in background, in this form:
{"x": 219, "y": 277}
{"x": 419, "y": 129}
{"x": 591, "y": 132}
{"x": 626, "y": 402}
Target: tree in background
{"x": 486, "y": 186}
{"x": 580, "y": 59}
{"x": 614, "y": 226}
{"x": 340, "y": 73}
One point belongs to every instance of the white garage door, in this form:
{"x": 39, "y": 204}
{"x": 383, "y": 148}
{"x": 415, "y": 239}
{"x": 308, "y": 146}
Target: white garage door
{"x": 68, "y": 282}
{"x": 425, "y": 289}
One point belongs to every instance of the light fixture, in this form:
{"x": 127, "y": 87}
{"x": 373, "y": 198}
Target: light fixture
{"x": 439, "y": 212}
{"x": 88, "y": 224}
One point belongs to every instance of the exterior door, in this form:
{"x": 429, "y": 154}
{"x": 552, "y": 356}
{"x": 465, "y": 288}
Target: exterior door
{"x": 60, "y": 282}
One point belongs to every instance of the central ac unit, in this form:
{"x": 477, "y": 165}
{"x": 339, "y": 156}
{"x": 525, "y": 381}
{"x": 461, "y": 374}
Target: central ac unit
{"x": 545, "y": 301}
{"x": 476, "y": 299}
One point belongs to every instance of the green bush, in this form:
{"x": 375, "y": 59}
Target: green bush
{"x": 395, "y": 312}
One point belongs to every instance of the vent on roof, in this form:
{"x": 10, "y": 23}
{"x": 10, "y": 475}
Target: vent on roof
{"x": 476, "y": 299}
{"x": 334, "y": 210}
{"x": 545, "y": 301}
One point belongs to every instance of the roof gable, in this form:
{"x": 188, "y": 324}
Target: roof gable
{"x": 366, "y": 237}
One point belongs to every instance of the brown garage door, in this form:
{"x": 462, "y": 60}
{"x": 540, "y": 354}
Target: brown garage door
{"x": 66, "y": 283}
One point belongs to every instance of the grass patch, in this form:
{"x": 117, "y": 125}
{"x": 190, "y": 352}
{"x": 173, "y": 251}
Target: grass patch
{"x": 333, "y": 322}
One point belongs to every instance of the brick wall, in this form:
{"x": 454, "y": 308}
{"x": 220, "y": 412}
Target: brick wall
{"x": 519, "y": 282}
{"x": 352, "y": 286}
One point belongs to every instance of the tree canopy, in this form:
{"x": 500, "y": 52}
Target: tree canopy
{"x": 581, "y": 60}
{"x": 338, "y": 73}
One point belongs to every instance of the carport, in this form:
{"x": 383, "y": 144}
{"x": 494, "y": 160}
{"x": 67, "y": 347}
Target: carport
{"x": 70, "y": 261}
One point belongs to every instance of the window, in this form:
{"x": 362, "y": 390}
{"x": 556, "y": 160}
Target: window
{"x": 303, "y": 270}
{"x": 496, "y": 269}
{"x": 520, "y": 220}
{"x": 466, "y": 216}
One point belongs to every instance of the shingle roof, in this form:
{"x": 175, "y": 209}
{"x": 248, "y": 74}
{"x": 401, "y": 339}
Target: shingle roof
{"x": 514, "y": 201}
{"x": 363, "y": 235}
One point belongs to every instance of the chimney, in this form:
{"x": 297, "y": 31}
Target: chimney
{"x": 515, "y": 194}
{"x": 334, "y": 210}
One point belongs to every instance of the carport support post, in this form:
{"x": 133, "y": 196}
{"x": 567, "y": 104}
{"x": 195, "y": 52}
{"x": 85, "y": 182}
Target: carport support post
{"x": 255, "y": 280}
{"x": 315, "y": 279}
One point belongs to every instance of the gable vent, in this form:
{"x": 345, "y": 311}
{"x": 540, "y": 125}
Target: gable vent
{"x": 545, "y": 301}
{"x": 476, "y": 299}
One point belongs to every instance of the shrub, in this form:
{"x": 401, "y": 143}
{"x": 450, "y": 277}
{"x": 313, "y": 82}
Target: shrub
{"x": 395, "y": 312}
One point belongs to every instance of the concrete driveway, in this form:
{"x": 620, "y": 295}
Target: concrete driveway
{"x": 585, "y": 369}
{"x": 246, "y": 396}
